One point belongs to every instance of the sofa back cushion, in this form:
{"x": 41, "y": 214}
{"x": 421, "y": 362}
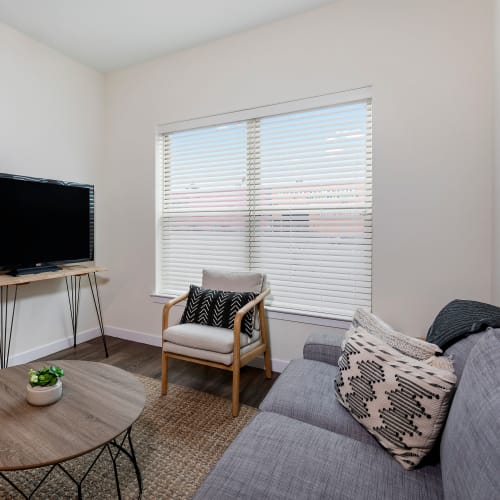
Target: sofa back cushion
{"x": 470, "y": 446}
{"x": 459, "y": 352}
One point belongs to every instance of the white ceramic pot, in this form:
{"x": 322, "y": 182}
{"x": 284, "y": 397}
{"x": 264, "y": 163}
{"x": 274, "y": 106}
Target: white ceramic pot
{"x": 43, "y": 396}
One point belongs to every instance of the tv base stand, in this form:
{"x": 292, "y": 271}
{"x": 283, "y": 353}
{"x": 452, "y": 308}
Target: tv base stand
{"x": 72, "y": 275}
{"x": 33, "y": 270}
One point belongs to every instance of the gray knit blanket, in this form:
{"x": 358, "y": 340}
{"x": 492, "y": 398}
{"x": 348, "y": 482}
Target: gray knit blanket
{"x": 461, "y": 318}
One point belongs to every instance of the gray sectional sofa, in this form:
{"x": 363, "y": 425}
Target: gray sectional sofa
{"x": 305, "y": 445}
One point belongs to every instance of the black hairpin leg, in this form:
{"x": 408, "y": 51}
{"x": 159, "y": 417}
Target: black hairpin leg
{"x": 97, "y": 304}
{"x": 73, "y": 288}
{"x": 6, "y": 323}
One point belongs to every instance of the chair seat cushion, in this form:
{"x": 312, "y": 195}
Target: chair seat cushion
{"x": 216, "y": 357}
{"x": 208, "y": 338}
{"x": 276, "y": 457}
{"x": 306, "y": 391}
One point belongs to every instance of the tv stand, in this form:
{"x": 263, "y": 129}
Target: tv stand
{"x": 72, "y": 275}
{"x": 21, "y": 271}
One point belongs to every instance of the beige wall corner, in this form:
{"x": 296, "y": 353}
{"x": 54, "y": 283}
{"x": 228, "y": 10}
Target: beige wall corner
{"x": 496, "y": 148}
{"x": 51, "y": 127}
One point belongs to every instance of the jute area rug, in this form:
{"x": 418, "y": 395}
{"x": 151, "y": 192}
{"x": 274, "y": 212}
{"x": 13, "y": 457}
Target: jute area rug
{"x": 177, "y": 440}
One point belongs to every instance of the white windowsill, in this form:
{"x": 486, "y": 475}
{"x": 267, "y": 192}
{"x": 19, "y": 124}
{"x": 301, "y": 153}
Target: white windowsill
{"x": 275, "y": 313}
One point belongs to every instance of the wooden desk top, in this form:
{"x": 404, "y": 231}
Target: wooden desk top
{"x": 71, "y": 270}
{"x": 99, "y": 402}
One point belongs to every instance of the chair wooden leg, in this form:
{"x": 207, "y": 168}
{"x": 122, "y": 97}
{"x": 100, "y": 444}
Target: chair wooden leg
{"x": 164, "y": 373}
{"x": 267, "y": 363}
{"x": 236, "y": 392}
{"x": 265, "y": 340}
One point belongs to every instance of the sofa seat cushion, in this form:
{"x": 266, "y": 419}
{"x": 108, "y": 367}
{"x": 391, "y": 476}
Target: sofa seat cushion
{"x": 306, "y": 391}
{"x": 276, "y": 457}
{"x": 208, "y": 338}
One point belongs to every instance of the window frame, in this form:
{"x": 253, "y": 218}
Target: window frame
{"x": 325, "y": 100}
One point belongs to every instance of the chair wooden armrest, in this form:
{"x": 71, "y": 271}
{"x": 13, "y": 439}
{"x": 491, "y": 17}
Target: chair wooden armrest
{"x": 169, "y": 305}
{"x": 241, "y": 312}
{"x": 239, "y": 317}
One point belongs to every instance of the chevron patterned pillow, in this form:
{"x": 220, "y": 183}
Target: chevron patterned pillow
{"x": 218, "y": 308}
{"x": 403, "y": 402}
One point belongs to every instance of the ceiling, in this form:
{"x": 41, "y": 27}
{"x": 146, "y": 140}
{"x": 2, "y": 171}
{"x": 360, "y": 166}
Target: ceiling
{"x": 112, "y": 34}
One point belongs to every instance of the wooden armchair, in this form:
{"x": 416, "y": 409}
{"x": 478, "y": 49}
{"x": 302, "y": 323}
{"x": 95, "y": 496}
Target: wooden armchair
{"x": 217, "y": 347}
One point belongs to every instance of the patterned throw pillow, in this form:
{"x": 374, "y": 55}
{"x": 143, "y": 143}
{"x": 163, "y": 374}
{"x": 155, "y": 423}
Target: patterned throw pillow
{"x": 218, "y": 308}
{"x": 401, "y": 401}
{"x": 418, "y": 349}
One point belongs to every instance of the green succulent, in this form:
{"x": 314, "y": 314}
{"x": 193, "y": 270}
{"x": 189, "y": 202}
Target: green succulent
{"x": 48, "y": 375}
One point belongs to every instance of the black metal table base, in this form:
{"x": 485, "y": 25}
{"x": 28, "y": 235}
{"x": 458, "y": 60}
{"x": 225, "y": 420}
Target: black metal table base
{"x": 115, "y": 448}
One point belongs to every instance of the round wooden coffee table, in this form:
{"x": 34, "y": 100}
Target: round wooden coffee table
{"x": 100, "y": 403}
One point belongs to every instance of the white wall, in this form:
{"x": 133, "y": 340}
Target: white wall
{"x": 50, "y": 126}
{"x": 496, "y": 145}
{"x": 429, "y": 63}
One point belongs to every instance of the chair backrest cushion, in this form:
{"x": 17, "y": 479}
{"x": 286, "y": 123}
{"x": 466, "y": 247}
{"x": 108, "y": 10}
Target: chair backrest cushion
{"x": 232, "y": 281}
{"x": 470, "y": 446}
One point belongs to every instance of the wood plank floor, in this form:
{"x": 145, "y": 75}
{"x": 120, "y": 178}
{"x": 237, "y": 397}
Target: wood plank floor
{"x": 145, "y": 360}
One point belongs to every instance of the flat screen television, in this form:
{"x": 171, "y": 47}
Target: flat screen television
{"x": 44, "y": 222}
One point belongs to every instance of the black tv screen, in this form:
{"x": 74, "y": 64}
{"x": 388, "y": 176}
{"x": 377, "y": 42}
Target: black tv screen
{"x": 45, "y": 222}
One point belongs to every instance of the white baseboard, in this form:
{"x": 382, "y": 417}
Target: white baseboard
{"x": 134, "y": 336}
{"x": 278, "y": 365}
{"x": 52, "y": 347}
{"x": 146, "y": 338}
{"x": 122, "y": 333}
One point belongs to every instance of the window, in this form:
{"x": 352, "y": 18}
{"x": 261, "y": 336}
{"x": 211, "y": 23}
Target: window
{"x": 289, "y": 194}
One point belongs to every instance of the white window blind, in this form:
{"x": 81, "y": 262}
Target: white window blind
{"x": 204, "y": 211}
{"x": 289, "y": 195}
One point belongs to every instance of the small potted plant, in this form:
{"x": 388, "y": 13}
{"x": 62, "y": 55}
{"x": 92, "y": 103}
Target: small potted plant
{"x": 45, "y": 386}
